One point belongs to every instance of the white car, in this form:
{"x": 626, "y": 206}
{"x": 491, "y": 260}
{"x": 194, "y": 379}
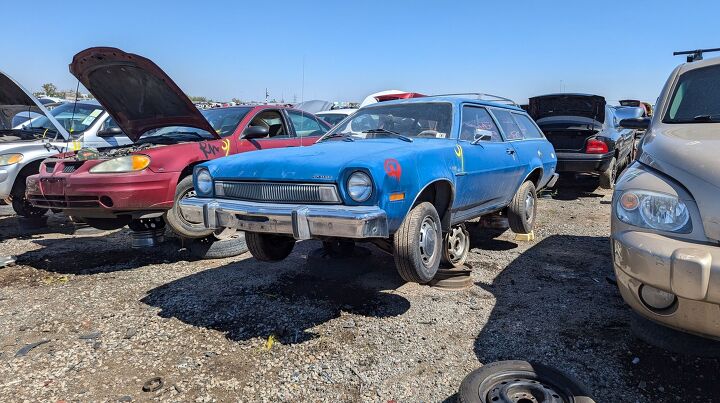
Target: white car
{"x": 334, "y": 116}
{"x": 69, "y": 126}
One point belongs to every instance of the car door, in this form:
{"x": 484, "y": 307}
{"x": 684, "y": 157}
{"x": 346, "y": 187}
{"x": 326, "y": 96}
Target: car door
{"x": 307, "y": 127}
{"x": 280, "y": 132}
{"x": 488, "y": 162}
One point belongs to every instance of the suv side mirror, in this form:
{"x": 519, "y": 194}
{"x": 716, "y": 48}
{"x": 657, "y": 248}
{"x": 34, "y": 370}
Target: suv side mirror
{"x": 110, "y": 132}
{"x": 255, "y": 132}
{"x": 635, "y": 123}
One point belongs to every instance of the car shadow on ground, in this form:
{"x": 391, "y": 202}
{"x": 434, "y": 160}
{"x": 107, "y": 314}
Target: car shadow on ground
{"x": 557, "y": 298}
{"x": 487, "y": 238}
{"x": 13, "y": 226}
{"x": 108, "y": 252}
{"x": 249, "y": 299}
{"x": 571, "y": 187}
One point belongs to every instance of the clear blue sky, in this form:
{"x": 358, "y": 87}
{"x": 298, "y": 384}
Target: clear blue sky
{"x": 237, "y": 48}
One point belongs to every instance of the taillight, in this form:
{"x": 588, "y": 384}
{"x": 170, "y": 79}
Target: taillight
{"x": 595, "y": 146}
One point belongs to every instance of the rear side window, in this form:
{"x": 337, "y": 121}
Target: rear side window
{"x": 527, "y": 127}
{"x": 508, "y": 125}
{"x": 476, "y": 121}
{"x": 696, "y": 98}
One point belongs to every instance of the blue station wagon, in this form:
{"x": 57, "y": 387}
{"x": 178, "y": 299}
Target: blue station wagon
{"x": 403, "y": 174}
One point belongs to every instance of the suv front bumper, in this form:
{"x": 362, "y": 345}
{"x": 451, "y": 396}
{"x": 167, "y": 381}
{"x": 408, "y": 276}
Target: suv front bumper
{"x": 300, "y": 221}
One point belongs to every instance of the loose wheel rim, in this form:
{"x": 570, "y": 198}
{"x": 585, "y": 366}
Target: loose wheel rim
{"x": 520, "y": 387}
{"x": 457, "y": 243}
{"x": 428, "y": 239}
{"x": 529, "y": 207}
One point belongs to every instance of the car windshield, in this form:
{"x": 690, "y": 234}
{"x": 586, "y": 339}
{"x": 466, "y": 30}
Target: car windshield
{"x": 223, "y": 120}
{"x": 74, "y": 117}
{"x": 403, "y": 121}
{"x": 696, "y": 98}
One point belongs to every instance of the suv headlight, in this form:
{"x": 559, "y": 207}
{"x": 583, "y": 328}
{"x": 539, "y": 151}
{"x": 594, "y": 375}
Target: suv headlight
{"x": 653, "y": 210}
{"x": 203, "y": 182}
{"x": 128, "y": 163}
{"x": 10, "y": 159}
{"x": 359, "y": 186}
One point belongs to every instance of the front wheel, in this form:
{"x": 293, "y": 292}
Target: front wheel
{"x": 268, "y": 247}
{"x": 418, "y": 244}
{"x": 522, "y": 209}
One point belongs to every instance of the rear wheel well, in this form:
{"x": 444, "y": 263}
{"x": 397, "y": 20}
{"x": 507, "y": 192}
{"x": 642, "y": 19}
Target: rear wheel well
{"x": 535, "y": 176}
{"x": 440, "y": 195}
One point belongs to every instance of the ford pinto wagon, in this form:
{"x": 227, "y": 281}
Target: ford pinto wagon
{"x": 139, "y": 184}
{"x": 403, "y": 174}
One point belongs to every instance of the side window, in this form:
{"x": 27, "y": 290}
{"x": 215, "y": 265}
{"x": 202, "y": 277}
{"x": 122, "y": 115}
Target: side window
{"x": 527, "y": 127}
{"x": 272, "y": 121}
{"x": 305, "y": 125}
{"x": 109, "y": 123}
{"x": 476, "y": 122}
{"x": 508, "y": 125}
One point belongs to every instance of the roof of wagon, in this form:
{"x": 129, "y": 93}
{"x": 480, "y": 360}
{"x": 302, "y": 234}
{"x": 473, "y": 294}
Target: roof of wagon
{"x": 455, "y": 100}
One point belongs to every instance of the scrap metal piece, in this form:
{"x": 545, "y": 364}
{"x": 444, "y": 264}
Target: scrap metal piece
{"x": 452, "y": 279}
{"x": 25, "y": 350}
{"x": 153, "y": 384}
{"x": 7, "y": 261}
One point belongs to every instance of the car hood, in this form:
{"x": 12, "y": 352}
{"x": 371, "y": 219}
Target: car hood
{"x": 135, "y": 92}
{"x": 688, "y": 153}
{"x": 322, "y": 162}
{"x": 589, "y": 106}
{"x": 15, "y": 99}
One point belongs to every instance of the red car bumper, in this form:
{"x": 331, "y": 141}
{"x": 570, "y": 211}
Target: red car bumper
{"x": 84, "y": 194}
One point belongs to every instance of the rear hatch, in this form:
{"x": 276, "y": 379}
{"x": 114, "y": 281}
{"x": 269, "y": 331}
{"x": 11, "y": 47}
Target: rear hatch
{"x": 568, "y": 120}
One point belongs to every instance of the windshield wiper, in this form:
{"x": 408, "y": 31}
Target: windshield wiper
{"x": 704, "y": 118}
{"x": 347, "y": 137}
{"x": 389, "y": 132}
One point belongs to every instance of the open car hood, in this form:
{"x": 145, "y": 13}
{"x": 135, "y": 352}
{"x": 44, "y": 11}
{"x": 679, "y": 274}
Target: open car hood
{"x": 135, "y": 92}
{"x": 588, "y": 106}
{"x": 15, "y": 99}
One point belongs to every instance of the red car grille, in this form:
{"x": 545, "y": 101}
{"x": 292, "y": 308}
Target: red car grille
{"x": 64, "y": 201}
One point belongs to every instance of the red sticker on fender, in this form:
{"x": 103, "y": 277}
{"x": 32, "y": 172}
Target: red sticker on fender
{"x": 393, "y": 168}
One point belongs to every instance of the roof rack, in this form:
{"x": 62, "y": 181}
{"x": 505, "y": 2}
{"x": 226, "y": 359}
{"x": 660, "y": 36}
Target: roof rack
{"x": 695, "y": 55}
{"x": 483, "y": 97}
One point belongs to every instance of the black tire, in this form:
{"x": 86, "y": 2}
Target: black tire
{"x": 418, "y": 244}
{"x": 174, "y": 217}
{"x": 107, "y": 224}
{"x": 456, "y": 246}
{"x": 522, "y": 209}
{"x": 268, "y": 247}
{"x": 505, "y": 381}
{"x": 607, "y": 177}
{"x": 19, "y": 201}
{"x": 212, "y": 248}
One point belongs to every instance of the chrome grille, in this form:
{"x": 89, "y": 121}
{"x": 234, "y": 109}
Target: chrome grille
{"x": 278, "y": 192}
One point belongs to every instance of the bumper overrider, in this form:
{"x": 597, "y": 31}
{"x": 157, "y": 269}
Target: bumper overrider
{"x": 302, "y": 221}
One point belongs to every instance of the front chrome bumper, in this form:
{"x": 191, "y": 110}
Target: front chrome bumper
{"x": 300, "y": 221}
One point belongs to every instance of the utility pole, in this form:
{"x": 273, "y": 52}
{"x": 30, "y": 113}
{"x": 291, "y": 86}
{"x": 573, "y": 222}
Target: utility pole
{"x": 267, "y": 94}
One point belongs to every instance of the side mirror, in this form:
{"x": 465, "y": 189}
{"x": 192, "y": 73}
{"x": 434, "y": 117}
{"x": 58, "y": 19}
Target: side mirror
{"x": 635, "y": 123}
{"x": 255, "y": 132}
{"x": 482, "y": 135}
{"x": 110, "y": 132}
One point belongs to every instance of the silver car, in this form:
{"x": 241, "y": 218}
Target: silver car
{"x": 69, "y": 126}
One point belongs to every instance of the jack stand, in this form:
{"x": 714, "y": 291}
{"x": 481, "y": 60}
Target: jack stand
{"x": 525, "y": 237}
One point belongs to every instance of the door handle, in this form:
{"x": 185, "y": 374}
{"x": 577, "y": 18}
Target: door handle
{"x": 510, "y": 151}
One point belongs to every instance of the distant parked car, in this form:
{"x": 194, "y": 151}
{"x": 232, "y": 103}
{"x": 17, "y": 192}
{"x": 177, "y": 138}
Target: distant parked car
{"x": 23, "y": 147}
{"x": 585, "y": 133}
{"x": 403, "y": 174}
{"x": 139, "y": 185}
{"x": 335, "y": 116}
{"x": 665, "y": 226}
{"x": 647, "y": 108}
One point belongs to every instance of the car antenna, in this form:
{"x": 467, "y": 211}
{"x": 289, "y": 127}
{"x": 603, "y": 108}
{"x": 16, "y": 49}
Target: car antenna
{"x": 302, "y": 94}
{"x": 695, "y": 55}
{"x": 72, "y": 117}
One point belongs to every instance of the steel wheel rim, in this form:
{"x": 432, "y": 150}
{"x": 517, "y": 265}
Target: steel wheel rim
{"x": 428, "y": 240}
{"x": 520, "y": 387}
{"x": 456, "y": 245}
{"x": 189, "y": 193}
{"x": 529, "y": 207}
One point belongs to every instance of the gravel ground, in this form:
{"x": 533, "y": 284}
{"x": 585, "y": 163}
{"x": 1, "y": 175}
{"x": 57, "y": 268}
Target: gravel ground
{"x": 314, "y": 329}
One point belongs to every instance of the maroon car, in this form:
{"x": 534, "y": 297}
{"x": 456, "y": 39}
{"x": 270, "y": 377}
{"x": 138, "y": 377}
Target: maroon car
{"x": 139, "y": 185}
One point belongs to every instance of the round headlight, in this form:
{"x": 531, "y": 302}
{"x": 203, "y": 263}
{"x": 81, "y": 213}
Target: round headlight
{"x": 203, "y": 182}
{"x": 128, "y": 163}
{"x": 10, "y": 159}
{"x": 359, "y": 186}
